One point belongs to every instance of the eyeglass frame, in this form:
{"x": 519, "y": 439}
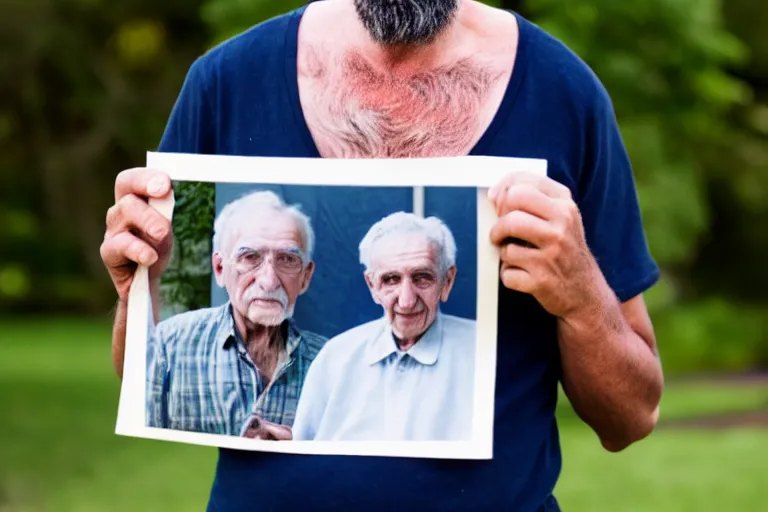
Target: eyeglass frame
{"x": 270, "y": 252}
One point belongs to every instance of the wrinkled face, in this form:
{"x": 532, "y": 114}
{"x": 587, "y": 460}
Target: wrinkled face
{"x": 406, "y": 22}
{"x": 405, "y": 280}
{"x": 260, "y": 266}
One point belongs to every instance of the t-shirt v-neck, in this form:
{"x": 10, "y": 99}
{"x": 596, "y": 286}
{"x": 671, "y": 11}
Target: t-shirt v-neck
{"x": 498, "y": 120}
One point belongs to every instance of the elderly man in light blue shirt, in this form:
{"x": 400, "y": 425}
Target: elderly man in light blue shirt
{"x": 408, "y": 375}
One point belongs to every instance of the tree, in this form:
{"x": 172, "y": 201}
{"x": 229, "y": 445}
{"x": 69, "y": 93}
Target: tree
{"x": 87, "y": 92}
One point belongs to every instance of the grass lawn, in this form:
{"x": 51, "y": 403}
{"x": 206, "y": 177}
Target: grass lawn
{"x": 58, "y": 453}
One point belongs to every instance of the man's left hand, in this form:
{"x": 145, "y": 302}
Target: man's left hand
{"x": 543, "y": 248}
{"x": 261, "y": 429}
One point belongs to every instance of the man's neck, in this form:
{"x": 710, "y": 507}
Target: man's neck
{"x": 405, "y": 344}
{"x": 405, "y": 60}
{"x": 261, "y": 338}
{"x": 364, "y": 100}
{"x": 264, "y": 344}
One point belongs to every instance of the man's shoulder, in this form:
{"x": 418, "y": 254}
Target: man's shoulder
{"x": 463, "y": 331}
{"x": 554, "y": 66}
{"x": 252, "y": 48}
{"x": 354, "y": 338}
{"x": 312, "y": 341}
{"x": 182, "y": 324}
{"x": 459, "y": 323}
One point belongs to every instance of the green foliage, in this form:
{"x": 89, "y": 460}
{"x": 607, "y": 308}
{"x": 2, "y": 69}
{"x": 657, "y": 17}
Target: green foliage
{"x": 87, "y": 88}
{"x": 186, "y": 285}
{"x": 748, "y": 19}
{"x": 664, "y": 64}
{"x": 228, "y": 18}
{"x": 712, "y": 335}
{"x": 699, "y": 166}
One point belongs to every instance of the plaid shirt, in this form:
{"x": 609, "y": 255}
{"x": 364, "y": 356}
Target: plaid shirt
{"x": 200, "y": 377}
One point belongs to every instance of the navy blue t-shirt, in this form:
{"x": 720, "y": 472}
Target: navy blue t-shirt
{"x": 242, "y": 98}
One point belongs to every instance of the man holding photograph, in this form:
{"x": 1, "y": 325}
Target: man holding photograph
{"x": 432, "y": 78}
{"x": 237, "y": 369}
{"x": 410, "y": 375}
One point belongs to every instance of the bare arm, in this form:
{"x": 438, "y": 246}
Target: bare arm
{"x": 118, "y": 336}
{"x": 611, "y": 371}
{"x": 119, "y": 326}
{"x": 135, "y": 233}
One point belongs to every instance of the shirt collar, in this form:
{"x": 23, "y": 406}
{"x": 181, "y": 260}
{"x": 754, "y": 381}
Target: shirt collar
{"x": 425, "y": 351}
{"x": 228, "y": 335}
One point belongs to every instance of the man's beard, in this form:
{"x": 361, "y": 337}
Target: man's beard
{"x": 406, "y": 22}
{"x": 259, "y": 315}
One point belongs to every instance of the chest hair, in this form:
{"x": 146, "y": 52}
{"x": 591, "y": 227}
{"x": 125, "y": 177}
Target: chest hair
{"x": 356, "y": 111}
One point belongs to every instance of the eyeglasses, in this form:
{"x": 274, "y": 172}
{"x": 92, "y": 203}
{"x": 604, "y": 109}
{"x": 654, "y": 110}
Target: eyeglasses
{"x": 285, "y": 261}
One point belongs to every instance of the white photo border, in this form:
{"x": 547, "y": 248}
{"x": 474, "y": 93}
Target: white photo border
{"x": 478, "y": 172}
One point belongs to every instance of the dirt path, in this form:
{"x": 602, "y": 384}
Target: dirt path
{"x": 752, "y": 419}
{"x": 749, "y": 379}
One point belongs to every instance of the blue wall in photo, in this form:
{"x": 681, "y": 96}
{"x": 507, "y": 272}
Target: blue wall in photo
{"x": 338, "y": 297}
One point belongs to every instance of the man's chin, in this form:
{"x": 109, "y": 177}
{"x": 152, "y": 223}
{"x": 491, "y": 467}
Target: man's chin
{"x": 267, "y": 318}
{"x": 406, "y": 23}
{"x": 268, "y": 322}
{"x": 409, "y": 330}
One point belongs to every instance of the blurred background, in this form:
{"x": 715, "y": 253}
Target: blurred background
{"x": 87, "y": 87}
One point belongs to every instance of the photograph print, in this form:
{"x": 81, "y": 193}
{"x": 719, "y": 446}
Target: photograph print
{"x": 322, "y": 312}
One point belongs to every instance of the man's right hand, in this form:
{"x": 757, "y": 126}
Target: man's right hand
{"x": 136, "y": 233}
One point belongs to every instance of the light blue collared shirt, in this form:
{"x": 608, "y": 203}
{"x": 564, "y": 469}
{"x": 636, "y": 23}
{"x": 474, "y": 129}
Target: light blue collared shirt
{"x": 362, "y": 387}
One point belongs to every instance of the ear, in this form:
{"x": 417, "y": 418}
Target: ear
{"x": 450, "y": 279}
{"x": 308, "y": 273}
{"x": 218, "y": 268}
{"x": 371, "y": 286}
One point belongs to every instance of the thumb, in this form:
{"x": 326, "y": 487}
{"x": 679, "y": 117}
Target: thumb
{"x": 278, "y": 432}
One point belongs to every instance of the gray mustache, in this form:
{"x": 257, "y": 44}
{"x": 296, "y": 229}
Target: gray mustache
{"x": 279, "y": 295}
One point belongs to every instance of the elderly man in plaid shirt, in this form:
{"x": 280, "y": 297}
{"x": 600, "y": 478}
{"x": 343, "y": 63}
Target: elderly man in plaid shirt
{"x": 238, "y": 369}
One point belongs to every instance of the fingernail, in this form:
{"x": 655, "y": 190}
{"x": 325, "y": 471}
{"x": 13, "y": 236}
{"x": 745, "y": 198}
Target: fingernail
{"x": 156, "y": 232}
{"x": 156, "y": 186}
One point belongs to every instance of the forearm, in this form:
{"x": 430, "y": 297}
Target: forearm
{"x": 120, "y": 323}
{"x": 611, "y": 374}
{"x": 118, "y": 336}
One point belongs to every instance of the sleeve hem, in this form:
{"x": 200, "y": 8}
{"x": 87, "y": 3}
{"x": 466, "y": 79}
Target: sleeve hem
{"x": 626, "y": 291}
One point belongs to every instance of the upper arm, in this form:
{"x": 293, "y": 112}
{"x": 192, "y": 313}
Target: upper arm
{"x": 190, "y": 125}
{"x": 610, "y": 209}
{"x": 636, "y": 314}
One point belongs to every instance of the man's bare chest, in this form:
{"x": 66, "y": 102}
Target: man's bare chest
{"x": 354, "y": 111}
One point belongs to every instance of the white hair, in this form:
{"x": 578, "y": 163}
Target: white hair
{"x": 432, "y": 228}
{"x": 251, "y": 204}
